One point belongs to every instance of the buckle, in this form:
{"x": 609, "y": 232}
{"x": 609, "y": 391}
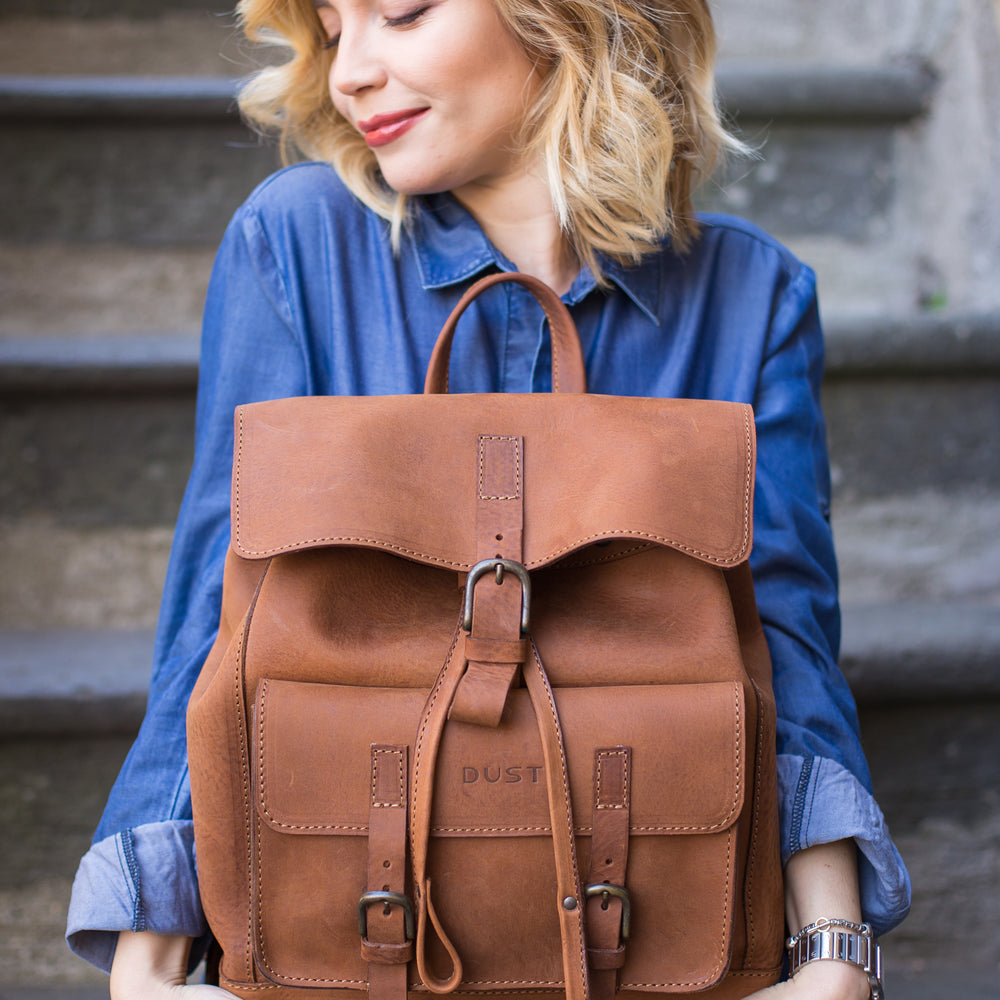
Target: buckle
{"x": 499, "y": 567}
{"x": 608, "y": 891}
{"x": 387, "y": 899}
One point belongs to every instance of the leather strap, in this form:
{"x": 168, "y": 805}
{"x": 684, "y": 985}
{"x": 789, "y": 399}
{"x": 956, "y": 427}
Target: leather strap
{"x": 568, "y": 374}
{"x": 568, "y": 899}
{"x": 608, "y": 864}
{"x": 569, "y": 895}
{"x": 385, "y": 946}
{"x": 494, "y": 649}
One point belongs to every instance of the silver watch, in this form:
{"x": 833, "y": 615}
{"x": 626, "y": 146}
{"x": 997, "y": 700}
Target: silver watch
{"x": 839, "y": 941}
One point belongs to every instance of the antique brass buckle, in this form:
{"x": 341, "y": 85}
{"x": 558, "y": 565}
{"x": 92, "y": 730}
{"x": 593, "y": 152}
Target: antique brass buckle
{"x": 608, "y": 891}
{"x": 387, "y": 899}
{"x": 499, "y": 567}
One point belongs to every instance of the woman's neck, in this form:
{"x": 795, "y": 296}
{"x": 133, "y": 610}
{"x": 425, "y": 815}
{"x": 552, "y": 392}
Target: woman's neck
{"x": 518, "y": 218}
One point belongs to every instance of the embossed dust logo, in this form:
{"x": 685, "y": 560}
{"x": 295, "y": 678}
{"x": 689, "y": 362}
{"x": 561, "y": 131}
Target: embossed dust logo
{"x": 498, "y": 775}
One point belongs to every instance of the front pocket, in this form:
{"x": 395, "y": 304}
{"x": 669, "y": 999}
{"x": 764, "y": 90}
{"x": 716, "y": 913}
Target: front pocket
{"x": 491, "y": 858}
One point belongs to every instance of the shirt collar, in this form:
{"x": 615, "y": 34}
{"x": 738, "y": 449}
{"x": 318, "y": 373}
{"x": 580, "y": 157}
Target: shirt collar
{"x": 448, "y": 244}
{"x": 450, "y": 247}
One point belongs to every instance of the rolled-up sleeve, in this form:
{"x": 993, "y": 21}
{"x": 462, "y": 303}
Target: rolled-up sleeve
{"x": 141, "y": 879}
{"x": 825, "y": 786}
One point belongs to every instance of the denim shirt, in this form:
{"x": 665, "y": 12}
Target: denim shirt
{"x": 307, "y": 297}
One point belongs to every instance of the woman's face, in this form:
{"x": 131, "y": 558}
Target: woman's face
{"x": 438, "y": 88}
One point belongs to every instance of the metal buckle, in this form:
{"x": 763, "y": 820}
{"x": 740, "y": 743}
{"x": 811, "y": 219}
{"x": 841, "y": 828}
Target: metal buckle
{"x": 386, "y": 899}
{"x": 607, "y": 891}
{"x": 499, "y": 567}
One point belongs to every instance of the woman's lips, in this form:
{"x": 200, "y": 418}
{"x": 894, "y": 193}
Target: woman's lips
{"x": 382, "y": 129}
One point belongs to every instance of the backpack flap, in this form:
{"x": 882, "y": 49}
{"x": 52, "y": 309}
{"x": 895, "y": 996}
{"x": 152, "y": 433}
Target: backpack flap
{"x": 400, "y": 473}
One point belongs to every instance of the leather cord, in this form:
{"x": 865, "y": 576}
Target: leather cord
{"x": 568, "y": 900}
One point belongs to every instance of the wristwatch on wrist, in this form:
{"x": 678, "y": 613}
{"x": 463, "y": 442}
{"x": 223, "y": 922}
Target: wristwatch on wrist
{"x": 838, "y": 941}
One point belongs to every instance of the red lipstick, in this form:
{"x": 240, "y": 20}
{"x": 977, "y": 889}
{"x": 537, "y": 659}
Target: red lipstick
{"x": 382, "y": 129}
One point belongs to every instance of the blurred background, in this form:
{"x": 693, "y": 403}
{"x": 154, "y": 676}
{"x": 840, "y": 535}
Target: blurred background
{"x": 121, "y": 159}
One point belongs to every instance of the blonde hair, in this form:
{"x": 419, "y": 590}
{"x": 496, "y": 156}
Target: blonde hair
{"x": 626, "y": 121}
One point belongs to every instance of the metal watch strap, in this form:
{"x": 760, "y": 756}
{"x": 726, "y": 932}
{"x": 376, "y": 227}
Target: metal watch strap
{"x": 840, "y": 941}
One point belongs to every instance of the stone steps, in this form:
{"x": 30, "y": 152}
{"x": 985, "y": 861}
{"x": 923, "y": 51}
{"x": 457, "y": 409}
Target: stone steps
{"x": 97, "y": 433}
{"x": 121, "y": 160}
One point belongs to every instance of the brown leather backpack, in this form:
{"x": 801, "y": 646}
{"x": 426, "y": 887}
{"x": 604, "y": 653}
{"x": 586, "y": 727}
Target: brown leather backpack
{"x": 490, "y": 707}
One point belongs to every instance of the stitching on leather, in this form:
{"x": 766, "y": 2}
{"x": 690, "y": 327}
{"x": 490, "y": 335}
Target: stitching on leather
{"x": 714, "y": 974}
{"x": 419, "y": 742}
{"x": 265, "y": 961}
{"x": 599, "y": 560}
{"x": 249, "y": 824}
{"x": 602, "y": 757}
{"x": 292, "y": 980}
{"x": 725, "y": 905}
{"x": 754, "y": 827}
{"x": 720, "y": 560}
{"x": 483, "y": 495}
{"x": 492, "y": 829}
{"x": 748, "y": 483}
{"x": 401, "y": 794}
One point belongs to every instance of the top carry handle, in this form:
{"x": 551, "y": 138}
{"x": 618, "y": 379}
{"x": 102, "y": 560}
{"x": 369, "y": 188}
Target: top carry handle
{"x": 568, "y": 374}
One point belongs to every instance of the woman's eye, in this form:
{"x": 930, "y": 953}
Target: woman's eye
{"x": 404, "y": 19}
{"x": 332, "y": 43}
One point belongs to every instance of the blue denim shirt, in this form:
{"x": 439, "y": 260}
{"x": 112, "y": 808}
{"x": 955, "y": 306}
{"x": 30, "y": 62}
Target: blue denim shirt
{"x": 307, "y": 297}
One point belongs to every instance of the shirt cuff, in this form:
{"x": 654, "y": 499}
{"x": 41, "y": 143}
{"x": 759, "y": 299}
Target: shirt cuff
{"x": 142, "y": 879}
{"x": 822, "y": 802}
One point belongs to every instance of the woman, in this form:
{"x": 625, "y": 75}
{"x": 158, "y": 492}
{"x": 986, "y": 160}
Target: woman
{"x": 561, "y": 138}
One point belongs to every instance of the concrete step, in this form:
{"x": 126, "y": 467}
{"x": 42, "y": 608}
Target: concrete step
{"x": 196, "y": 41}
{"x": 912, "y": 404}
{"x": 103, "y": 291}
{"x": 162, "y": 160}
{"x": 925, "y": 550}
{"x": 92, "y": 682}
{"x": 87, "y": 9}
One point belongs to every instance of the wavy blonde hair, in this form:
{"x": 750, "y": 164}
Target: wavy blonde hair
{"x": 626, "y": 121}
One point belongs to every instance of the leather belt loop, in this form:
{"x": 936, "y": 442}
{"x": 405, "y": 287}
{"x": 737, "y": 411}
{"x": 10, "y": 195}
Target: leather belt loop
{"x": 607, "y": 916}
{"x": 495, "y": 647}
{"x": 387, "y": 921}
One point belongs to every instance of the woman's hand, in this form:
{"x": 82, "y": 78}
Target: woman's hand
{"x": 824, "y": 980}
{"x": 151, "y": 966}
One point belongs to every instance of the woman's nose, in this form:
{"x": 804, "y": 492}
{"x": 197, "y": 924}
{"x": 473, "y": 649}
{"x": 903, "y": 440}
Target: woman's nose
{"x": 356, "y": 65}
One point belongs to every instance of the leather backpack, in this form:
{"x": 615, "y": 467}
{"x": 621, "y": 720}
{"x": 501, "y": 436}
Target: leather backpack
{"x": 490, "y": 708}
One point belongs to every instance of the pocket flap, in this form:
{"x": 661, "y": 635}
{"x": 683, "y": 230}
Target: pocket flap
{"x": 688, "y": 757}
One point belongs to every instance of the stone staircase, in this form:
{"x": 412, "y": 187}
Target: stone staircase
{"x": 121, "y": 160}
